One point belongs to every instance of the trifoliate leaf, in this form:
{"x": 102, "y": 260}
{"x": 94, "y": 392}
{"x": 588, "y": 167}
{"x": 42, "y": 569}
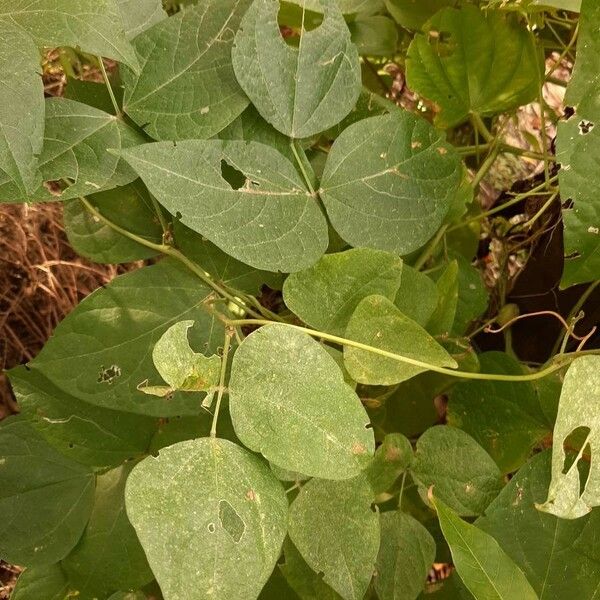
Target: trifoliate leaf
{"x": 102, "y": 350}
{"x": 186, "y": 87}
{"x": 578, "y": 152}
{"x": 88, "y": 434}
{"x": 417, "y": 295}
{"x": 578, "y": 407}
{"x": 42, "y": 583}
{"x": 180, "y": 366}
{"x": 376, "y": 322}
{"x": 95, "y": 26}
{"x": 340, "y": 281}
{"x": 33, "y": 474}
{"x": 453, "y": 61}
{"x": 128, "y": 206}
{"x": 483, "y": 566}
{"x": 461, "y": 471}
{"x": 392, "y": 457}
{"x": 560, "y": 557}
{"x": 108, "y": 557}
{"x": 211, "y": 518}
{"x": 300, "y": 91}
{"x": 388, "y": 182}
{"x": 405, "y": 557}
{"x": 139, "y": 15}
{"x": 504, "y": 417}
{"x": 332, "y": 525}
{"x": 289, "y": 401}
{"x": 245, "y": 197}
{"x": 21, "y": 112}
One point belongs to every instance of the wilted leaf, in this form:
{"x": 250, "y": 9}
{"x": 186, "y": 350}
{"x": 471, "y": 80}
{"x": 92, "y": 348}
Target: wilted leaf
{"x": 460, "y": 470}
{"x": 300, "y": 91}
{"x": 388, "y": 182}
{"x": 377, "y": 322}
{"x": 483, "y": 566}
{"x": 405, "y": 557}
{"x": 186, "y": 87}
{"x": 332, "y": 525}
{"x": 289, "y": 401}
{"x": 474, "y": 61}
{"x": 340, "y": 281}
{"x": 245, "y": 197}
{"x": 578, "y": 407}
{"x": 221, "y": 543}
{"x": 34, "y": 475}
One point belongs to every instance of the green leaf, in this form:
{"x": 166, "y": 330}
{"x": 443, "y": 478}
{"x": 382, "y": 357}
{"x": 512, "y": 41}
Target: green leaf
{"x": 21, "y": 111}
{"x": 561, "y": 558}
{"x": 128, "y": 206}
{"x": 504, "y": 417}
{"x": 108, "y": 557}
{"x": 186, "y": 87}
{"x": 340, "y": 281}
{"x": 88, "y": 434}
{"x": 405, "y": 557}
{"x": 332, "y": 525}
{"x": 289, "y": 401}
{"x": 93, "y": 93}
{"x": 388, "y": 182}
{"x": 472, "y": 296}
{"x": 139, "y": 15}
{"x": 571, "y": 5}
{"x": 128, "y": 596}
{"x": 417, "y": 296}
{"x": 442, "y": 319}
{"x": 34, "y": 475}
{"x": 102, "y": 350}
{"x": 300, "y": 91}
{"x": 95, "y": 26}
{"x": 42, "y": 583}
{"x": 74, "y": 161}
{"x": 413, "y": 14}
{"x": 346, "y": 6}
{"x": 376, "y": 322}
{"x": 578, "y": 152}
{"x": 474, "y": 61}
{"x": 578, "y": 407}
{"x": 211, "y": 518}
{"x": 392, "y": 458}
{"x": 265, "y": 217}
{"x": 302, "y": 579}
{"x": 180, "y": 366}
{"x": 461, "y": 471}
{"x": 483, "y": 566}
{"x": 374, "y": 35}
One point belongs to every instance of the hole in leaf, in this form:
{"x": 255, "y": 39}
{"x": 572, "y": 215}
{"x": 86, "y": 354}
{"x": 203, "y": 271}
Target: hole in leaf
{"x": 585, "y": 126}
{"x": 230, "y": 521}
{"x": 573, "y": 442}
{"x": 56, "y": 188}
{"x": 569, "y": 112}
{"x": 211, "y": 528}
{"x": 109, "y": 374}
{"x": 234, "y": 177}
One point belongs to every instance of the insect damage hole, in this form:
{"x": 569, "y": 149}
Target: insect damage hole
{"x": 234, "y": 177}
{"x": 231, "y": 522}
{"x": 109, "y": 375}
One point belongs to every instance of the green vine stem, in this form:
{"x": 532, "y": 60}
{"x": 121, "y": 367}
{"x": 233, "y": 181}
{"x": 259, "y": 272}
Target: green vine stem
{"x": 111, "y": 93}
{"x": 229, "y": 332}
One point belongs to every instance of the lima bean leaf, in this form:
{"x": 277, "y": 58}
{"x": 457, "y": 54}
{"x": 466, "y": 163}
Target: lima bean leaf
{"x": 413, "y": 14}
{"x": 578, "y": 151}
{"x": 483, "y": 566}
{"x": 332, "y": 525}
{"x": 108, "y": 556}
{"x": 102, "y": 350}
{"x": 444, "y": 314}
{"x": 139, "y": 15}
{"x": 186, "y": 87}
{"x": 211, "y": 518}
{"x": 389, "y": 181}
{"x": 88, "y": 434}
{"x": 474, "y": 61}
{"x": 289, "y": 401}
{"x": 243, "y": 196}
{"x": 21, "y": 111}
{"x": 392, "y": 458}
{"x": 578, "y": 407}
{"x": 417, "y": 295}
{"x": 461, "y": 471}
{"x": 405, "y": 557}
{"x": 377, "y": 322}
{"x": 33, "y": 474}
{"x": 340, "y": 281}
{"x": 42, "y": 583}
{"x": 95, "y": 26}
{"x": 374, "y": 35}
{"x": 560, "y": 557}
{"x": 300, "y": 91}
{"x": 346, "y": 6}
